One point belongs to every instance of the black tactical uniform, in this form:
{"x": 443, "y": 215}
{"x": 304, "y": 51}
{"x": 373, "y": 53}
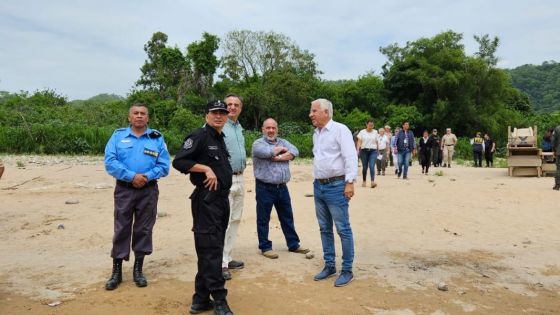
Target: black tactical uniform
{"x": 556, "y": 149}
{"x": 210, "y": 209}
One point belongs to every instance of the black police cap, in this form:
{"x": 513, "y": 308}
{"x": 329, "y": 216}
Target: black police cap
{"x": 216, "y": 106}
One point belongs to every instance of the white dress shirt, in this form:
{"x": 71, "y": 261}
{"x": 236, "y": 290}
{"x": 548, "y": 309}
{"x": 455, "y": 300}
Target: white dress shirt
{"x": 334, "y": 153}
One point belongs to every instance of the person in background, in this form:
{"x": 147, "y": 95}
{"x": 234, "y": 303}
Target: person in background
{"x": 136, "y": 157}
{"x": 383, "y": 146}
{"x": 1, "y": 168}
{"x": 556, "y": 150}
{"x": 271, "y": 167}
{"x": 547, "y": 140}
{"x": 366, "y": 148}
{"x": 478, "y": 148}
{"x": 489, "y": 149}
{"x": 335, "y": 166}
{"x": 389, "y": 135}
{"x": 436, "y": 144}
{"x": 393, "y": 149}
{"x": 406, "y": 147}
{"x": 448, "y": 142}
{"x": 425, "y": 145}
{"x": 235, "y": 143}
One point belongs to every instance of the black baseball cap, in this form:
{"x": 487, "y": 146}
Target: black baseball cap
{"x": 216, "y": 106}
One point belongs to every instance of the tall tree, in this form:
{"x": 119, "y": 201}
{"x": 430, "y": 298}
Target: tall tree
{"x": 449, "y": 88}
{"x": 164, "y": 69}
{"x": 271, "y": 72}
{"x": 487, "y": 48}
{"x": 201, "y": 57}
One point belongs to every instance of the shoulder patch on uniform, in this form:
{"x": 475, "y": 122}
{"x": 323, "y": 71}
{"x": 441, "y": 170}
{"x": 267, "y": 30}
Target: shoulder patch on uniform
{"x": 120, "y": 129}
{"x": 154, "y": 134}
{"x": 188, "y": 144}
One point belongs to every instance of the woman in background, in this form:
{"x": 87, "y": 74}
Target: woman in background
{"x": 366, "y": 148}
{"x": 425, "y": 145}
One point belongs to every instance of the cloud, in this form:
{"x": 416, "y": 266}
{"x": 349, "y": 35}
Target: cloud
{"x": 85, "y": 48}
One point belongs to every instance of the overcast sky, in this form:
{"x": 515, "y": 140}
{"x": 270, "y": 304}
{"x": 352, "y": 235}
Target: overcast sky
{"x": 83, "y": 48}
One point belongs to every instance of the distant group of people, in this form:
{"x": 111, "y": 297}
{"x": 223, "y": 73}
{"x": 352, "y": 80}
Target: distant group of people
{"x": 483, "y": 146}
{"x": 380, "y": 148}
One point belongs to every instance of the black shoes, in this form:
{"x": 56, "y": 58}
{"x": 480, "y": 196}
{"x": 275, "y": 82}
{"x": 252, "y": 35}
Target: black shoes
{"x": 222, "y": 308}
{"x": 556, "y": 187}
{"x": 226, "y": 273}
{"x": 234, "y": 264}
{"x": 137, "y": 275}
{"x": 116, "y": 275}
{"x": 197, "y": 308}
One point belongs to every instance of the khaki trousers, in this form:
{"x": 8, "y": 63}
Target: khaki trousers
{"x": 236, "y": 196}
{"x": 448, "y": 154}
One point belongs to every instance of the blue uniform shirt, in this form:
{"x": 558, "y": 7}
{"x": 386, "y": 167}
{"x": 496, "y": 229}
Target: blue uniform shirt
{"x": 235, "y": 143}
{"x": 127, "y": 155}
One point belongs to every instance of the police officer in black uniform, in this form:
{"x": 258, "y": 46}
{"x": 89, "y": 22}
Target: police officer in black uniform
{"x": 204, "y": 155}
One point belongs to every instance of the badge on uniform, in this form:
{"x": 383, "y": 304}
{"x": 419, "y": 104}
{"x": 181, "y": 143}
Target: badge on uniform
{"x": 188, "y": 144}
{"x": 150, "y": 152}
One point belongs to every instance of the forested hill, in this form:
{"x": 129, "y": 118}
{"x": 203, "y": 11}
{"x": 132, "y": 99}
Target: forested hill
{"x": 540, "y": 83}
{"x": 100, "y": 98}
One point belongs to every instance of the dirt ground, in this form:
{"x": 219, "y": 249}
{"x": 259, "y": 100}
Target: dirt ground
{"x": 492, "y": 239}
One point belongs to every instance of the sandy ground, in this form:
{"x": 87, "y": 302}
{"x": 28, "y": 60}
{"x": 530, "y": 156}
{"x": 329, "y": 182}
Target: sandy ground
{"x": 492, "y": 239}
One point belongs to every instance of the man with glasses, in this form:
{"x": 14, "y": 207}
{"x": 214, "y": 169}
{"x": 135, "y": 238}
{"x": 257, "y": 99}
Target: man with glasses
{"x": 235, "y": 143}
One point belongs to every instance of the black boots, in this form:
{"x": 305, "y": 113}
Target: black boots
{"x": 116, "y": 276}
{"x": 137, "y": 275}
{"x": 222, "y": 308}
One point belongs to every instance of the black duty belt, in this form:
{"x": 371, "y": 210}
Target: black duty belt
{"x": 237, "y": 173}
{"x": 129, "y": 184}
{"x": 219, "y": 192}
{"x": 323, "y": 181}
{"x": 271, "y": 185}
{"x": 449, "y": 145}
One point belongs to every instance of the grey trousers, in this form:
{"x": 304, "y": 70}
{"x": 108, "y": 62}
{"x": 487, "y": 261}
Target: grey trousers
{"x": 135, "y": 216}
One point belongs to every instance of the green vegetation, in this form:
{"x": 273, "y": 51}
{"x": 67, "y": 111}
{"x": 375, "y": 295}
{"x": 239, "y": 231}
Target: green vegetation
{"x": 540, "y": 83}
{"x": 430, "y": 82}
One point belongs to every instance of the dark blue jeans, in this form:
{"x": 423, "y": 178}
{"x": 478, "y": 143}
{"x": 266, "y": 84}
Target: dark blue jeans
{"x": 269, "y": 195}
{"x": 331, "y": 206}
{"x": 404, "y": 160}
{"x": 368, "y": 156}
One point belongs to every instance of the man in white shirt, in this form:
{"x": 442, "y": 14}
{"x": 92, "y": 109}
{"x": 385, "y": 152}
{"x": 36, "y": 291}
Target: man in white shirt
{"x": 335, "y": 166}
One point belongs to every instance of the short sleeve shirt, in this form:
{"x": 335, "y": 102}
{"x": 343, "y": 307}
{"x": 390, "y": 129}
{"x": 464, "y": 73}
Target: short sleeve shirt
{"x": 369, "y": 139}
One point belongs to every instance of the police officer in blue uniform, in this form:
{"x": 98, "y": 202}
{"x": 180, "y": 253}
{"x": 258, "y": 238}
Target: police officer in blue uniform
{"x": 205, "y": 157}
{"x": 137, "y": 157}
